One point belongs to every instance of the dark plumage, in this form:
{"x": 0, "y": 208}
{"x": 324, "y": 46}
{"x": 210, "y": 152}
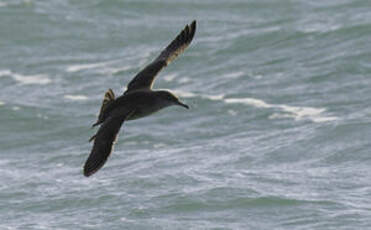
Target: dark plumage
{"x": 139, "y": 100}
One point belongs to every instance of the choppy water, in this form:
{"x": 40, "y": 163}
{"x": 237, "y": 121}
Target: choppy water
{"x": 278, "y": 136}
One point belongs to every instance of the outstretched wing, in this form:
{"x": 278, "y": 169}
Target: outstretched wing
{"x": 103, "y": 144}
{"x": 145, "y": 78}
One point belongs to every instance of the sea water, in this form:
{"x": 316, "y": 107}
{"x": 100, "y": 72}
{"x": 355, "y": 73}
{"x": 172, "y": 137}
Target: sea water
{"x": 277, "y": 137}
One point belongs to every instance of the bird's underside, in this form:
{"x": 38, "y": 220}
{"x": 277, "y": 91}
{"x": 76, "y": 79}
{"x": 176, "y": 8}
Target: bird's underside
{"x": 114, "y": 111}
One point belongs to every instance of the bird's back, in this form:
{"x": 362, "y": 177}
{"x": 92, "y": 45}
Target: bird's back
{"x": 142, "y": 102}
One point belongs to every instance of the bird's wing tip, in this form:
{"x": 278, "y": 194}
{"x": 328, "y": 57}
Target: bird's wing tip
{"x": 88, "y": 172}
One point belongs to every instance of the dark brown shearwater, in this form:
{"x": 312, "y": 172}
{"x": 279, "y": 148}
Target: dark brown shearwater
{"x": 139, "y": 100}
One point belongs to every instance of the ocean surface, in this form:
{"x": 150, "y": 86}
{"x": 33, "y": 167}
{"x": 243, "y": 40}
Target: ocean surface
{"x": 278, "y": 135}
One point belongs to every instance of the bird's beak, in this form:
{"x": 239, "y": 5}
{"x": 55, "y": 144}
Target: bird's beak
{"x": 183, "y": 105}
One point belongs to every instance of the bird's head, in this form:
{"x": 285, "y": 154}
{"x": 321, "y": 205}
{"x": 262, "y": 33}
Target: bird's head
{"x": 170, "y": 98}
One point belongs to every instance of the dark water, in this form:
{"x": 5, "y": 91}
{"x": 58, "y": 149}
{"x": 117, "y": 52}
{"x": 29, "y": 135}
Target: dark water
{"x": 278, "y": 135}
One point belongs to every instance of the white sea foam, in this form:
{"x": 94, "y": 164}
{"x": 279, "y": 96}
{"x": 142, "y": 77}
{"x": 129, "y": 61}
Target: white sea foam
{"x": 213, "y": 97}
{"x": 104, "y": 67}
{"x": 295, "y": 112}
{"x": 169, "y": 77}
{"x": 39, "y": 115}
{"x": 232, "y": 112}
{"x": 281, "y": 116}
{"x": 308, "y": 25}
{"x": 249, "y": 101}
{"x": 39, "y": 79}
{"x": 113, "y": 70}
{"x": 184, "y": 94}
{"x": 258, "y": 76}
{"x": 76, "y": 68}
{"x": 319, "y": 27}
{"x": 5, "y": 72}
{"x": 314, "y": 114}
{"x": 159, "y": 145}
{"x": 76, "y": 97}
{"x": 234, "y": 74}
{"x": 184, "y": 80}
{"x": 1, "y": 103}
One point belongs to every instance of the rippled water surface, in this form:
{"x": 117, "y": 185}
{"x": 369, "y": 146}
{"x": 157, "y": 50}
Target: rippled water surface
{"x": 277, "y": 137}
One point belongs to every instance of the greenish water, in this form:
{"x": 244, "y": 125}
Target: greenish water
{"x": 277, "y": 137}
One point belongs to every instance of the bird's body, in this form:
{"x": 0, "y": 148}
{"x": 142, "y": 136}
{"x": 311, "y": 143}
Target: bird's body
{"x": 139, "y": 100}
{"x": 143, "y": 102}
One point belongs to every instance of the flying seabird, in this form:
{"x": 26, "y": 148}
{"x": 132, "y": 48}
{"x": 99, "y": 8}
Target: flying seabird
{"x": 139, "y": 100}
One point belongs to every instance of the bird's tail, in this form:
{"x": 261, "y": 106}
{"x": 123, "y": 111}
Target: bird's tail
{"x": 108, "y": 98}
